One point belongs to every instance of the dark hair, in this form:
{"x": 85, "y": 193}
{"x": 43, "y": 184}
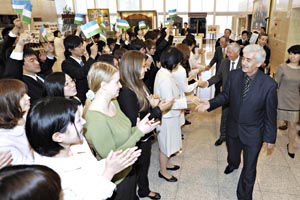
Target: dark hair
{"x": 29, "y": 182}
{"x": 136, "y": 44}
{"x": 6, "y": 31}
{"x": 55, "y": 33}
{"x": 188, "y": 42}
{"x": 120, "y": 52}
{"x": 107, "y": 58}
{"x": 54, "y": 84}
{"x": 243, "y": 32}
{"x": 264, "y": 28}
{"x": 170, "y": 58}
{"x": 11, "y": 92}
{"x": 295, "y": 49}
{"x": 149, "y": 44}
{"x": 48, "y": 116}
{"x": 110, "y": 41}
{"x": 151, "y": 35}
{"x": 227, "y": 29}
{"x": 71, "y": 42}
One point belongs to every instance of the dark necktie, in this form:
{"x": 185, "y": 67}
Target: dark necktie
{"x": 39, "y": 81}
{"x": 232, "y": 66}
{"x": 247, "y": 82}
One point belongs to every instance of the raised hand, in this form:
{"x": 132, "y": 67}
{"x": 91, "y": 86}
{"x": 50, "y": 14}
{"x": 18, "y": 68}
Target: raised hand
{"x": 145, "y": 125}
{"x": 119, "y": 160}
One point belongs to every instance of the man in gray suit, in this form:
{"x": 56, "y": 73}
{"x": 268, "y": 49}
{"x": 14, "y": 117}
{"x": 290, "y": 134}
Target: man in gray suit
{"x": 232, "y": 62}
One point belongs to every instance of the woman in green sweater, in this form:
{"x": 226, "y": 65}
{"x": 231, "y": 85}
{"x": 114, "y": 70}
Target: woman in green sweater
{"x": 108, "y": 128}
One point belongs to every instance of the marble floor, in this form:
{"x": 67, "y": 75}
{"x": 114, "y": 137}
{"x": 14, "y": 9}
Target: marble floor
{"x": 202, "y": 164}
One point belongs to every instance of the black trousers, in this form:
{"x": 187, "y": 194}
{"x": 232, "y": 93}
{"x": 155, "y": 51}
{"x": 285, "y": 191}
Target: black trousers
{"x": 225, "y": 111}
{"x": 142, "y": 167}
{"x": 126, "y": 190}
{"x": 250, "y": 157}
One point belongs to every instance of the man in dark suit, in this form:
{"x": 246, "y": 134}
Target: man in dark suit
{"x": 220, "y": 54}
{"x": 23, "y": 64}
{"x": 227, "y": 33}
{"x": 232, "y": 62}
{"x": 252, "y": 116}
{"x": 262, "y": 41}
{"x": 76, "y": 66}
{"x": 185, "y": 30}
{"x": 243, "y": 41}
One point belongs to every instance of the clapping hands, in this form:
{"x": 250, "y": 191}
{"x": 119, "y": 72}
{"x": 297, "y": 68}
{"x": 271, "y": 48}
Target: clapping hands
{"x": 145, "y": 125}
{"x": 118, "y": 160}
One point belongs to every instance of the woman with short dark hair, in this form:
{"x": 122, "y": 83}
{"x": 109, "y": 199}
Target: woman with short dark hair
{"x": 53, "y": 126}
{"x": 29, "y": 182}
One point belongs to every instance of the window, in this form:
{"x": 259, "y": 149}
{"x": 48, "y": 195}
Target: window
{"x": 153, "y": 5}
{"x": 128, "y": 5}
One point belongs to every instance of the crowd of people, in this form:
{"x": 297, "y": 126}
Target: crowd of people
{"x": 96, "y": 117}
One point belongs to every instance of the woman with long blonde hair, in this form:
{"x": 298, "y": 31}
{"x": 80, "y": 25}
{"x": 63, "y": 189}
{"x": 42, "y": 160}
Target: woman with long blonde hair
{"x": 108, "y": 128}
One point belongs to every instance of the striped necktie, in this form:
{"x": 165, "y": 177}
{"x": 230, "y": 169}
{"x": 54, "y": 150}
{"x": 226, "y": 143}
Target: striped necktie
{"x": 246, "y": 87}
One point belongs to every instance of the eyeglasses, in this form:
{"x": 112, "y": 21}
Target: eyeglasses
{"x": 68, "y": 83}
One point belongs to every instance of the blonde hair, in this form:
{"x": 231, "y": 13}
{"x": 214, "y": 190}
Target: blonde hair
{"x": 98, "y": 73}
{"x": 130, "y": 73}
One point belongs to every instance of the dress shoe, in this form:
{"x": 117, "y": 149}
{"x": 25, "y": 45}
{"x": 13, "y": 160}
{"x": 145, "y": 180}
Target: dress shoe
{"x": 172, "y": 179}
{"x": 156, "y": 196}
{"x": 229, "y": 169}
{"x": 187, "y": 122}
{"x": 219, "y": 141}
{"x": 291, "y": 155}
{"x": 174, "y": 168}
{"x": 283, "y": 127}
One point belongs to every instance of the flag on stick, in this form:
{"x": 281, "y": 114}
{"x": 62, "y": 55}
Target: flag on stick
{"x": 26, "y": 14}
{"x": 78, "y": 19}
{"x": 90, "y": 29}
{"x": 44, "y": 33}
{"x": 122, "y": 23}
{"x": 142, "y": 25}
{"x": 103, "y": 36}
{"x": 167, "y": 23}
{"x": 172, "y": 13}
{"x": 18, "y": 5}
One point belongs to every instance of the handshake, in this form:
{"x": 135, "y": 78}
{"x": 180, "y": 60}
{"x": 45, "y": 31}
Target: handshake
{"x": 202, "y": 84}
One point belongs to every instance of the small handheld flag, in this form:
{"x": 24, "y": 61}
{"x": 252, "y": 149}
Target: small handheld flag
{"x": 78, "y": 19}
{"x": 44, "y": 33}
{"x": 90, "y": 29}
{"x": 18, "y": 5}
{"x": 122, "y": 23}
{"x": 172, "y": 13}
{"x": 103, "y": 36}
{"x": 167, "y": 23}
{"x": 142, "y": 25}
{"x": 26, "y": 14}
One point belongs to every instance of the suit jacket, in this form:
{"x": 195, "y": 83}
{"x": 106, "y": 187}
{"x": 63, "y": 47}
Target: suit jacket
{"x": 253, "y": 119}
{"x": 218, "y": 56}
{"x": 75, "y": 71}
{"x": 184, "y": 31}
{"x": 14, "y": 69}
{"x": 222, "y": 73}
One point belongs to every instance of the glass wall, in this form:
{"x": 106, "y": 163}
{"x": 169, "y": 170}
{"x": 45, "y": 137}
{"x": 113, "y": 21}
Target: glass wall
{"x": 225, "y": 9}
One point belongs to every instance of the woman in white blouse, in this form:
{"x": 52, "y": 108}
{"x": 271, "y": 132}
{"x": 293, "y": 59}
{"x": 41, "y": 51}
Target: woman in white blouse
{"x": 169, "y": 137}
